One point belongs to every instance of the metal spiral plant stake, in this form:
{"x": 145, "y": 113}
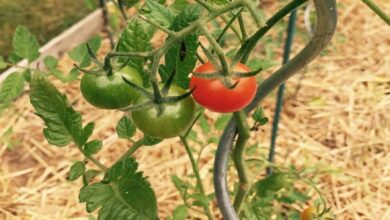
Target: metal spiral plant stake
{"x": 325, "y": 28}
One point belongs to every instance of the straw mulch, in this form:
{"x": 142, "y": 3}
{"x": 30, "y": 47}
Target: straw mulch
{"x": 335, "y": 118}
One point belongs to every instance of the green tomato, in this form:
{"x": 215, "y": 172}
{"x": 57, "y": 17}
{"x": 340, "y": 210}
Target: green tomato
{"x": 174, "y": 121}
{"x": 111, "y": 92}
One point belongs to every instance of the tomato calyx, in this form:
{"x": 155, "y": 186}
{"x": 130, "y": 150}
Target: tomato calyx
{"x": 158, "y": 99}
{"x": 102, "y": 68}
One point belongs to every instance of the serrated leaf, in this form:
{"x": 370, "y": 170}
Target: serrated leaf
{"x": 27, "y": 75}
{"x": 11, "y": 87}
{"x": 135, "y": 38}
{"x": 180, "y": 213}
{"x": 204, "y": 125}
{"x": 158, "y": 13}
{"x": 127, "y": 195}
{"x": 63, "y": 123}
{"x": 150, "y": 141}
{"x": 179, "y": 5}
{"x": 130, "y": 3}
{"x": 125, "y": 128}
{"x": 272, "y": 183}
{"x": 181, "y": 58}
{"x": 25, "y": 44}
{"x": 180, "y": 185}
{"x": 222, "y": 121}
{"x": 92, "y": 147}
{"x": 76, "y": 170}
{"x": 13, "y": 58}
{"x": 200, "y": 199}
{"x": 88, "y": 129}
{"x": 50, "y": 62}
{"x": 3, "y": 64}
{"x": 259, "y": 116}
{"x": 80, "y": 53}
{"x": 89, "y": 175}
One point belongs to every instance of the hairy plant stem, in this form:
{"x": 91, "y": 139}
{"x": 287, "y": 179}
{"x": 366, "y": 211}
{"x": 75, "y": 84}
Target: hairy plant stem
{"x": 132, "y": 149}
{"x": 195, "y": 169}
{"x": 217, "y": 49}
{"x": 239, "y": 163}
{"x": 97, "y": 163}
{"x": 251, "y": 42}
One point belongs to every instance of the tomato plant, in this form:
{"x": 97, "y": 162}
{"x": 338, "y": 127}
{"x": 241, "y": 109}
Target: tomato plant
{"x": 175, "y": 119}
{"x": 212, "y": 94}
{"x": 157, "y": 95}
{"x": 110, "y": 91}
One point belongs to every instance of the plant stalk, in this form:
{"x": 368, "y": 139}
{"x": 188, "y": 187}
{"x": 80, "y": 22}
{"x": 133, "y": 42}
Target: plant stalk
{"x": 377, "y": 10}
{"x": 238, "y": 154}
{"x": 195, "y": 169}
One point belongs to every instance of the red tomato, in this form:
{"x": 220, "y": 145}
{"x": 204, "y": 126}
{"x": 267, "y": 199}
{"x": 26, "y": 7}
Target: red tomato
{"x": 213, "y": 95}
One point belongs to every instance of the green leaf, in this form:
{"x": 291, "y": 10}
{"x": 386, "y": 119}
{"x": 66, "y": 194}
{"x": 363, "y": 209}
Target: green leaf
{"x": 158, "y": 13}
{"x": 259, "y": 116}
{"x": 50, "y": 62}
{"x": 130, "y": 3}
{"x": 63, "y": 123}
{"x": 3, "y": 64}
{"x": 204, "y": 125}
{"x": 92, "y": 147}
{"x": 76, "y": 170}
{"x": 125, "y": 128}
{"x": 179, "y": 5}
{"x": 88, "y": 129}
{"x": 127, "y": 195}
{"x": 181, "y": 58}
{"x": 91, "y": 4}
{"x": 135, "y": 38}
{"x": 180, "y": 213}
{"x": 25, "y": 44}
{"x": 27, "y": 75}
{"x": 12, "y": 87}
{"x": 89, "y": 175}
{"x": 180, "y": 185}
{"x": 80, "y": 53}
{"x": 200, "y": 199}
{"x": 150, "y": 141}
{"x": 222, "y": 121}
{"x": 14, "y": 59}
{"x": 272, "y": 183}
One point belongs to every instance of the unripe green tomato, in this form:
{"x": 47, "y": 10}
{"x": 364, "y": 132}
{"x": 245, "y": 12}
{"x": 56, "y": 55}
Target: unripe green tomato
{"x": 111, "y": 92}
{"x": 174, "y": 121}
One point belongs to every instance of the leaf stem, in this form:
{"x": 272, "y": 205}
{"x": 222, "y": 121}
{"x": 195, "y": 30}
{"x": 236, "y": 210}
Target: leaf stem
{"x": 195, "y": 169}
{"x": 97, "y": 163}
{"x": 132, "y": 149}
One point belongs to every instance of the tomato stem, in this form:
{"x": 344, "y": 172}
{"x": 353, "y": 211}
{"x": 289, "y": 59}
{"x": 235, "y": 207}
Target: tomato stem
{"x": 251, "y": 42}
{"x": 195, "y": 169}
{"x": 377, "y": 10}
{"x": 238, "y": 153}
{"x": 132, "y": 149}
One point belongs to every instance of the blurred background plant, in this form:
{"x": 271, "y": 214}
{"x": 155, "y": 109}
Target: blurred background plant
{"x": 44, "y": 18}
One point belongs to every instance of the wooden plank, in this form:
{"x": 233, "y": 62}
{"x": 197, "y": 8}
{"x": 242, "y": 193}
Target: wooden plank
{"x": 75, "y": 35}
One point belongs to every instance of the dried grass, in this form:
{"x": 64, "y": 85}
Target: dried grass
{"x": 337, "y": 119}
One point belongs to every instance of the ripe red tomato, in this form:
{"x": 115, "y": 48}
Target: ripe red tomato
{"x": 213, "y": 95}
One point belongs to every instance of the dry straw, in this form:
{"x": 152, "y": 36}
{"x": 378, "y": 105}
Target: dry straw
{"x": 335, "y": 118}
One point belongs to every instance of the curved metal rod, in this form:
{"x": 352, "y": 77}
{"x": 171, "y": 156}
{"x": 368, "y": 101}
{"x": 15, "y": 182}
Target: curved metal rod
{"x": 326, "y": 25}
